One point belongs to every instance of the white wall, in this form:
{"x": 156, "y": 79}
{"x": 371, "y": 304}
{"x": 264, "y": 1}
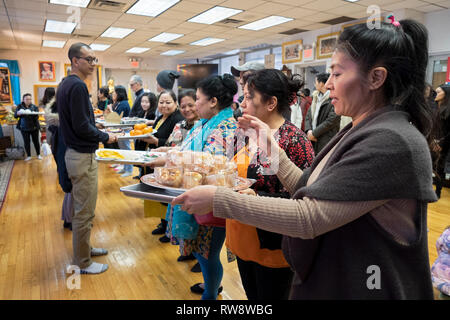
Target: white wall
{"x": 438, "y": 25}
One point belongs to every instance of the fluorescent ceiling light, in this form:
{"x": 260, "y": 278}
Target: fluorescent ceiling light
{"x": 265, "y": 23}
{"x": 118, "y": 33}
{"x": 206, "y": 41}
{"x": 137, "y": 50}
{"x": 172, "y": 52}
{"x": 99, "y": 47}
{"x": 166, "y": 37}
{"x": 351, "y": 0}
{"x": 75, "y": 3}
{"x": 151, "y": 8}
{"x": 53, "y": 43}
{"x": 214, "y": 15}
{"x": 59, "y": 26}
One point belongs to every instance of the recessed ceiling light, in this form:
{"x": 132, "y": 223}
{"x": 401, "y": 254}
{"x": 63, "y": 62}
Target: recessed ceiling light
{"x": 172, "y": 52}
{"x": 166, "y": 37}
{"x": 151, "y": 8}
{"x": 137, "y": 50}
{"x": 99, "y": 47}
{"x": 53, "y": 43}
{"x": 59, "y": 26}
{"x": 214, "y": 15}
{"x": 118, "y": 33}
{"x": 265, "y": 23}
{"x": 75, "y": 3}
{"x": 206, "y": 41}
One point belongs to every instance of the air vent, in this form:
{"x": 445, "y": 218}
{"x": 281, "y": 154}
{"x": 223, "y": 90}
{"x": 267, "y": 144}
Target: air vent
{"x": 293, "y": 31}
{"x": 338, "y": 20}
{"x": 172, "y": 44}
{"x": 81, "y": 36}
{"x": 108, "y": 5}
{"x": 230, "y": 21}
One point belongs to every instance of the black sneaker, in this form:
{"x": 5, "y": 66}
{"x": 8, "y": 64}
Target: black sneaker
{"x": 196, "y": 288}
{"x": 164, "y": 239}
{"x": 196, "y": 268}
{"x": 186, "y": 258}
{"x": 159, "y": 229}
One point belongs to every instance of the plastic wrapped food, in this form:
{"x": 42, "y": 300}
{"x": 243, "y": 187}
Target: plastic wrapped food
{"x": 222, "y": 179}
{"x": 169, "y": 176}
{"x": 192, "y": 179}
{"x": 175, "y": 158}
{"x": 198, "y": 161}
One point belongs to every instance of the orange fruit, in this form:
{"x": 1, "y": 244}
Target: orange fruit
{"x": 132, "y": 133}
{"x": 140, "y": 126}
{"x": 138, "y": 132}
{"x": 147, "y": 130}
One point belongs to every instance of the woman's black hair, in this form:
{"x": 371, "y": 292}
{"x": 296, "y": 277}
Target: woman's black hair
{"x": 274, "y": 83}
{"x": 49, "y": 93}
{"x": 169, "y": 92}
{"x": 26, "y": 95}
{"x": 306, "y": 92}
{"x": 186, "y": 93}
{"x": 446, "y": 89}
{"x": 153, "y": 101}
{"x": 223, "y": 88}
{"x": 322, "y": 77}
{"x": 403, "y": 51}
{"x": 121, "y": 93}
{"x": 105, "y": 92}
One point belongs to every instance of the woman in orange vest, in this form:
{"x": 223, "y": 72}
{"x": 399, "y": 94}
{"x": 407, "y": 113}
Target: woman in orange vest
{"x": 264, "y": 271}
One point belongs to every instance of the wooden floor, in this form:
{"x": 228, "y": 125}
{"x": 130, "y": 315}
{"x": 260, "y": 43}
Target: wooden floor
{"x": 35, "y": 249}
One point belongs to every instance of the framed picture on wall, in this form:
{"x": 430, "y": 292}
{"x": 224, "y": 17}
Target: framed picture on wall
{"x": 326, "y": 45}
{"x": 67, "y": 69}
{"x": 39, "y": 90}
{"x": 47, "y": 71}
{"x": 291, "y": 51}
{"x": 5, "y": 87}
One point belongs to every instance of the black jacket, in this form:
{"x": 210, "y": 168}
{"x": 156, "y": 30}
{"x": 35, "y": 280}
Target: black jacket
{"x": 327, "y": 125}
{"x": 166, "y": 128}
{"x": 27, "y": 122}
{"x": 136, "y": 108}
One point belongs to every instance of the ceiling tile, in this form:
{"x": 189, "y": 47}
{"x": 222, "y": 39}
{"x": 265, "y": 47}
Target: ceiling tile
{"x": 445, "y": 4}
{"x": 320, "y": 16}
{"x": 322, "y": 5}
{"x": 298, "y": 13}
{"x": 242, "y": 5}
{"x": 271, "y": 8}
{"x": 428, "y": 8}
{"x": 249, "y": 16}
{"x": 193, "y": 7}
{"x": 408, "y": 4}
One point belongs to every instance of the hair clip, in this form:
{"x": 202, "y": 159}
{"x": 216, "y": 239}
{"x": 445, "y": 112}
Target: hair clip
{"x": 393, "y": 21}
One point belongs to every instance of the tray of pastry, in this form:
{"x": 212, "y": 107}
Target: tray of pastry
{"x": 120, "y": 156}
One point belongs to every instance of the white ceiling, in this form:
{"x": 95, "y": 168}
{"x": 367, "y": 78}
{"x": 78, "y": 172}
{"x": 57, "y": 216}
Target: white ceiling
{"x": 22, "y": 23}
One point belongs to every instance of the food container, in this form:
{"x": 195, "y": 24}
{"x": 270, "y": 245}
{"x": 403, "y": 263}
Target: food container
{"x": 222, "y": 179}
{"x": 192, "y": 179}
{"x": 169, "y": 176}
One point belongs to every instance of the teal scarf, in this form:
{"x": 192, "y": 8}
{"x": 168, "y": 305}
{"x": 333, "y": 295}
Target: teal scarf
{"x": 208, "y": 125}
{"x": 184, "y": 225}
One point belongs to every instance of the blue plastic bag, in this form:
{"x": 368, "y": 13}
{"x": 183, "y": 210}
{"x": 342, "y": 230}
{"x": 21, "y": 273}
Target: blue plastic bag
{"x": 184, "y": 225}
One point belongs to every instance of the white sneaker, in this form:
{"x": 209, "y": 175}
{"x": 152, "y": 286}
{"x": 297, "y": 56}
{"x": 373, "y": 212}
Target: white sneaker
{"x": 27, "y": 159}
{"x": 39, "y": 157}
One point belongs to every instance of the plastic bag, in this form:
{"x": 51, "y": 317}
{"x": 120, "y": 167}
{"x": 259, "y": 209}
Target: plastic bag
{"x": 46, "y": 150}
{"x": 184, "y": 225}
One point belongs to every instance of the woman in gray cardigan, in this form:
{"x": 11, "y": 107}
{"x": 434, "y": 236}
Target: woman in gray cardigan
{"x": 356, "y": 228}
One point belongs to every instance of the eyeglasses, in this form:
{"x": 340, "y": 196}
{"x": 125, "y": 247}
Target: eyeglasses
{"x": 89, "y": 60}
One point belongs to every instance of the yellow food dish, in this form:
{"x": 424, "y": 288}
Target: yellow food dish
{"x": 110, "y": 154}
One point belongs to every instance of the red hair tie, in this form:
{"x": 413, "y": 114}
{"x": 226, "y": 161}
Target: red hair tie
{"x": 393, "y": 21}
